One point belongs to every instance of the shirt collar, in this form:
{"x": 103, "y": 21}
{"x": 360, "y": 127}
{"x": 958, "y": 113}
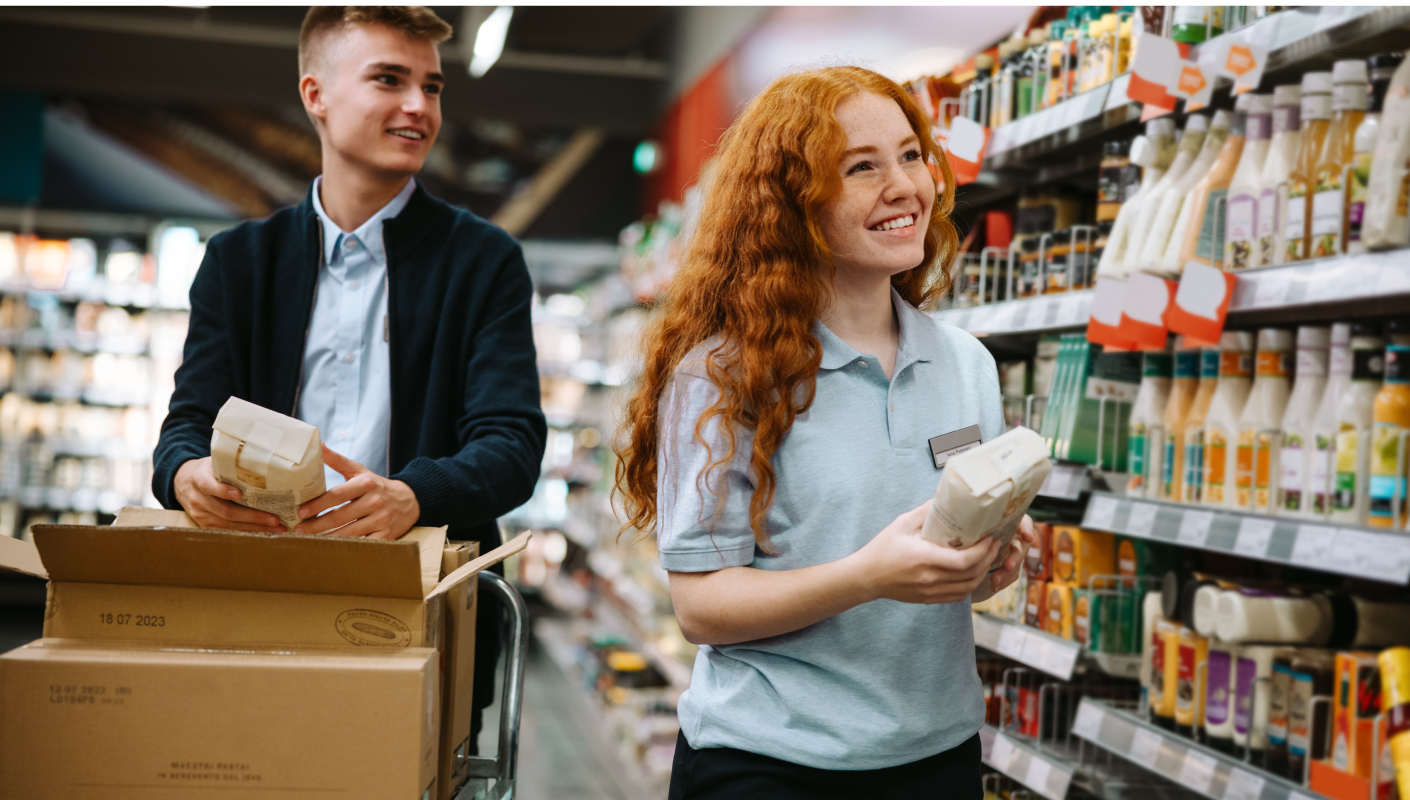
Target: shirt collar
{"x": 369, "y": 233}
{"x": 910, "y": 348}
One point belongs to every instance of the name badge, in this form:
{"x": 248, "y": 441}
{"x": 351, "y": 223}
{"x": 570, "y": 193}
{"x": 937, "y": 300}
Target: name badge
{"x": 954, "y": 443}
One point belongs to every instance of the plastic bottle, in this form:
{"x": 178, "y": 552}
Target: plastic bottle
{"x": 1196, "y": 24}
{"x": 1307, "y": 731}
{"x": 1143, "y": 456}
{"x": 1189, "y": 697}
{"x": 1386, "y": 223}
{"x": 1023, "y": 79}
{"x": 1324, "y": 424}
{"x": 1316, "y": 121}
{"x": 1001, "y": 107}
{"x": 1382, "y": 67}
{"x": 1190, "y": 146}
{"x": 1295, "y": 459}
{"x": 1279, "y": 695}
{"x": 1173, "y": 200}
{"x": 1154, "y": 153}
{"x": 1221, "y": 427}
{"x": 1199, "y": 230}
{"x": 1220, "y": 675}
{"x": 1329, "y": 208}
{"x": 1241, "y": 218}
{"x": 1395, "y": 680}
{"x": 1254, "y": 671}
{"x": 1277, "y": 168}
{"x": 1260, "y": 424}
{"x": 1355, "y": 413}
{"x": 1177, "y": 409}
{"x": 1192, "y": 481}
{"x": 1391, "y": 419}
{"x": 981, "y": 90}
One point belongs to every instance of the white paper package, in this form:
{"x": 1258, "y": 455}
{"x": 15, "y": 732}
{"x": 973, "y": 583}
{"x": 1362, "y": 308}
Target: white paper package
{"x": 275, "y": 461}
{"x": 984, "y": 492}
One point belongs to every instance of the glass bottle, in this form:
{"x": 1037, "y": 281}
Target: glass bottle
{"x": 1316, "y": 121}
{"x": 1328, "y": 234}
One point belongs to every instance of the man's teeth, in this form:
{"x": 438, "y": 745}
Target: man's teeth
{"x": 407, "y": 133}
{"x": 890, "y": 225}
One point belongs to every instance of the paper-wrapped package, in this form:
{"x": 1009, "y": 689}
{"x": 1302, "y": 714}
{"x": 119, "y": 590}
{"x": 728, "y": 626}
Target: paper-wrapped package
{"x": 985, "y": 491}
{"x": 274, "y": 460}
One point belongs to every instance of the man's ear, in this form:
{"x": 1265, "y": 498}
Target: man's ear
{"x": 311, "y": 92}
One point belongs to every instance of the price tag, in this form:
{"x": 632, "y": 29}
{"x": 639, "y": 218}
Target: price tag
{"x": 1001, "y": 319}
{"x": 1353, "y": 550}
{"x": 1254, "y": 536}
{"x": 1037, "y": 652}
{"x": 1194, "y": 528}
{"x": 1038, "y": 771}
{"x": 1088, "y": 724}
{"x": 1394, "y": 279}
{"x": 1243, "y": 785}
{"x": 1101, "y": 513}
{"x": 1382, "y": 556}
{"x": 1070, "y": 310}
{"x": 1001, "y": 754}
{"x": 1270, "y": 288}
{"x": 1141, "y": 519}
{"x": 1037, "y": 314}
{"x": 1145, "y": 748}
{"x": 1011, "y": 640}
{"x": 1314, "y": 543}
{"x": 1117, "y": 97}
{"x": 1197, "y": 771}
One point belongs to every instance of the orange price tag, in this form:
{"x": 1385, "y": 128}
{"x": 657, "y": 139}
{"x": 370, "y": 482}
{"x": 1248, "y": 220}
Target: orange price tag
{"x": 1191, "y": 79}
{"x": 1240, "y": 60}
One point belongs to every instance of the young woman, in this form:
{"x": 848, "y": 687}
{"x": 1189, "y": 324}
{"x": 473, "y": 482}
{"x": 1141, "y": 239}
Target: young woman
{"x": 778, "y": 444}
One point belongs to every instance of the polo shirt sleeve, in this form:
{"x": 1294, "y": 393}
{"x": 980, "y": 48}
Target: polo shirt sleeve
{"x": 702, "y": 514}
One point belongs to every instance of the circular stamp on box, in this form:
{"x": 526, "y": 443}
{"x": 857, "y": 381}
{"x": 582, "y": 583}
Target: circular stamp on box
{"x": 366, "y": 628}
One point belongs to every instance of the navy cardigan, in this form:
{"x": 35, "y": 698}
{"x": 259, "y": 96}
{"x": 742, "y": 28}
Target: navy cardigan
{"x": 467, "y": 432}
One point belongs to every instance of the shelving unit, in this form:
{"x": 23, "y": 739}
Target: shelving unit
{"x": 1042, "y": 651}
{"x": 1044, "y": 773}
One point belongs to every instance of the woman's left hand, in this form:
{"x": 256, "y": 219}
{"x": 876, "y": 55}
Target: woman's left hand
{"x": 1008, "y": 571}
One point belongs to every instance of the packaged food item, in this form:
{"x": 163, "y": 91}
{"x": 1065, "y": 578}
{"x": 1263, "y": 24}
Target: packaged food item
{"x": 1356, "y": 703}
{"x": 1277, "y": 170}
{"x": 1177, "y": 409}
{"x": 1387, "y": 219}
{"x": 1036, "y": 608}
{"x": 984, "y": 492}
{"x": 1302, "y": 181}
{"x": 1111, "y": 177}
{"x": 1220, "y": 680}
{"x": 1165, "y": 675}
{"x": 1382, "y": 68}
{"x": 1355, "y": 414}
{"x": 1060, "y": 612}
{"x": 1395, "y": 694}
{"x": 1039, "y": 562}
{"x": 1189, "y": 687}
{"x": 1222, "y": 424}
{"x": 1251, "y": 700}
{"x": 1241, "y": 216}
{"x": 1390, "y": 421}
{"x": 1252, "y": 615}
{"x": 1189, "y": 149}
{"x": 1324, "y": 424}
{"x": 1295, "y": 458}
{"x": 1173, "y": 201}
{"x": 1143, "y": 456}
{"x": 1307, "y": 726}
{"x": 275, "y": 461}
{"x": 1260, "y": 441}
{"x": 1193, "y": 443}
{"x": 1329, "y": 220}
{"x": 1080, "y": 555}
{"x": 1198, "y": 235}
{"x": 1153, "y": 154}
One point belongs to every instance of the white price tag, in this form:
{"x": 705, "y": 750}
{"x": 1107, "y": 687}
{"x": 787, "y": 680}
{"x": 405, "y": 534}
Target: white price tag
{"x": 1314, "y": 543}
{"x": 1037, "y": 314}
{"x": 1243, "y": 785}
{"x": 1101, "y": 513}
{"x": 1001, "y": 754}
{"x": 1001, "y": 319}
{"x": 1070, "y": 310}
{"x": 1383, "y": 556}
{"x": 1194, "y": 528}
{"x": 1254, "y": 535}
{"x": 1353, "y": 551}
{"x": 1270, "y": 288}
{"x": 1088, "y": 724}
{"x": 1141, "y": 519}
{"x": 1058, "y": 483}
{"x": 1145, "y": 748}
{"x": 1394, "y": 279}
{"x": 1197, "y": 771}
{"x": 1037, "y": 652}
{"x": 1011, "y": 640}
{"x": 1038, "y": 771}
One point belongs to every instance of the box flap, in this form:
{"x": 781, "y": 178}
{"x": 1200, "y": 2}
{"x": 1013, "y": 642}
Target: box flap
{"x": 432, "y": 544}
{"x": 281, "y": 435}
{"x": 20, "y": 556}
{"x": 494, "y": 556}
{"x": 208, "y": 559}
{"x": 143, "y": 517}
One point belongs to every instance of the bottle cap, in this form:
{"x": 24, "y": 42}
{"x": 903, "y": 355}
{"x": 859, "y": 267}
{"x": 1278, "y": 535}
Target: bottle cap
{"x": 1341, "y": 334}
{"x": 1037, "y": 36}
{"x": 983, "y": 62}
{"x": 1222, "y": 119}
{"x": 1260, "y": 104}
{"x": 1142, "y": 152}
{"x": 1276, "y": 340}
{"x": 1162, "y": 126}
{"x": 1244, "y": 103}
{"x": 1197, "y": 122}
{"x": 1312, "y": 337}
{"x": 1350, "y": 71}
{"x": 1236, "y": 342}
{"x": 1289, "y": 95}
{"x": 1317, "y": 83}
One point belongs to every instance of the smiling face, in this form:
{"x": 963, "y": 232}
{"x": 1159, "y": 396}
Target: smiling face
{"x": 876, "y": 224}
{"x": 376, "y": 93}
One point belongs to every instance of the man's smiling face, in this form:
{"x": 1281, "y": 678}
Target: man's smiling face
{"x": 378, "y": 97}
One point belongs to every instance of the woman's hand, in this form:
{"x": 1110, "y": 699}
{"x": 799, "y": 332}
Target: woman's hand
{"x": 899, "y": 565}
{"x": 1008, "y": 572}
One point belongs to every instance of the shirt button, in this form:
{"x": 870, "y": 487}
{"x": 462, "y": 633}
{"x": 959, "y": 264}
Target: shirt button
{"x": 353, "y": 285}
{"x": 348, "y": 359}
{"x": 862, "y": 364}
{"x": 352, "y": 244}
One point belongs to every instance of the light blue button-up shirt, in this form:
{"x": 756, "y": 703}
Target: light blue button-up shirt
{"x": 347, "y": 382}
{"x": 881, "y": 684}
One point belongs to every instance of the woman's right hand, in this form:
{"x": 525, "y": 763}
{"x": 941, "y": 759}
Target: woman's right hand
{"x": 898, "y": 564}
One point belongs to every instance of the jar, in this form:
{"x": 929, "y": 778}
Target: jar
{"x": 1111, "y": 179}
{"x": 1057, "y": 256}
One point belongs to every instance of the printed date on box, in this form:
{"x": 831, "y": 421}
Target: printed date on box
{"x": 136, "y": 620}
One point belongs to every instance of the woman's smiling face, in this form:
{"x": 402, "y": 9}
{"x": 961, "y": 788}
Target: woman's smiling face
{"x": 877, "y": 223}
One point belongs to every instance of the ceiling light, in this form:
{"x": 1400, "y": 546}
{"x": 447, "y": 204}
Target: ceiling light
{"x": 489, "y": 40}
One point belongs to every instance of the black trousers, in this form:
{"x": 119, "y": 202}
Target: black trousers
{"x": 727, "y": 774}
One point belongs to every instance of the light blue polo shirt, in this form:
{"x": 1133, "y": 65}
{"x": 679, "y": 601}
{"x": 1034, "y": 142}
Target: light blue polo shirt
{"x": 882, "y": 684}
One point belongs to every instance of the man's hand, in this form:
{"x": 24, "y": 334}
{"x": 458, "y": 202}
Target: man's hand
{"x": 208, "y": 501}
{"x": 377, "y": 507}
{"x": 1007, "y": 573}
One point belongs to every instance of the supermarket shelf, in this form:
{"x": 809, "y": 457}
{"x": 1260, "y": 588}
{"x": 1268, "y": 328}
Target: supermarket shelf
{"x": 1044, "y": 773}
{"x": 54, "y": 499}
{"x": 1361, "y": 552}
{"x": 1065, "y": 311}
{"x": 1199, "y": 769}
{"x": 1044, "y": 652}
{"x": 58, "y": 222}
{"x": 676, "y": 672}
{"x": 1066, "y": 481}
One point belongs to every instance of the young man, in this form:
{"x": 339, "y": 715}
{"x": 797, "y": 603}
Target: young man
{"x": 397, "y": 324}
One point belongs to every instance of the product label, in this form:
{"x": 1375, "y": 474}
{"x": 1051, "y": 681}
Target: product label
{"x": 1286, "y": 119}
{"x": 1210, "y": 245}
{"x": 1278, "y": 704}
{"x": 1243, "y": 469}
{"x": 1194, "y": 467}
{"x": 1185, "y": 680}
{"x": 1300, "y": 714}
{"x": 1272, "y": 364}
{"x": 1242, "y": 231}
{"x": 1157, "y": 685}
{"x": 1187, "y": 364}
{"x": 1367, "y": 365}
{"x": 1263, "y": 490}
{"x": 1167, "y": 468}
{"x": 1296, "y": 226}
{"x": 1057, "y": 272}
{"x": 1235, "y": 365}
{"x": 1290, "y": 482}
{"x": 1356, "y": 205}
{"x": 1216, "y": 707}
{"x": 1387, "y": 485}
{"x": 1344, "y": 494}
{"x": 1268, "y": 224}
{"x": 1216, "y": 464}
{"x": 1327, "y": 218}
{"x": 1209, "y": 364}
{"x": 1322, "y": 473}
{"x": 1244, "y": 681}
{"x": 1136, "y": 456}
{"x": 1258, "y": 126}
{"x": 1311, "y": 362}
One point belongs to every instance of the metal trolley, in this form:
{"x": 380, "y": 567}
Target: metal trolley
{"x": 493, "y": 778}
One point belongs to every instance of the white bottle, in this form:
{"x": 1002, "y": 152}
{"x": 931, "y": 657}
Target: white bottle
{"x": 1221, "y": 427}
{"x": 1272, "y": 184}
{"x": 1198, "y": 197}
{"x": 1295, "y": 459}
{"x": 1196, "y": 130}
{"x": 1260, "y": 424}
{"x": 1386, "y": 223}
{"x": 1324, "y": 424}
{"x": 1144, "y": 439}
{"x": 1364, "y": 145}
{"x": 1241, "y": 217}
{"x": 1154, "y": 153}
{"x": 1355, "y": 413}
{"x": 1163, "y": 224}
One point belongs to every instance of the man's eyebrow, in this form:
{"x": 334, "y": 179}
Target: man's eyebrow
{"x": 382, "y": 66}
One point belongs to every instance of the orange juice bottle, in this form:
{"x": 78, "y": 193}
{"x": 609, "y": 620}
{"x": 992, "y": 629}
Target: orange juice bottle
{"x": 1391, "y": 420}
{"x": 1316, "y": 121}
{"x": 1328, "y": 221}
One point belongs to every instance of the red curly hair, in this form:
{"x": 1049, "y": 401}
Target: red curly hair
{"x": 757, "y": 273}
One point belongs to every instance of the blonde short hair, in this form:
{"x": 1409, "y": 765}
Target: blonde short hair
{"x": 418, "y": 22}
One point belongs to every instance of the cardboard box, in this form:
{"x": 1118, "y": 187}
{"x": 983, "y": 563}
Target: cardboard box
{"x": 1355, "y": 707}
{"x": 1035, "y": 610}
{"x": 275, "y": 461}
{"x": 89, "y": 720}
{"x": 1060, "y": 613}
{"x": 459, "y": 664}
{"x": 1039, "y": 563}
{"x": 1080, "y": 555}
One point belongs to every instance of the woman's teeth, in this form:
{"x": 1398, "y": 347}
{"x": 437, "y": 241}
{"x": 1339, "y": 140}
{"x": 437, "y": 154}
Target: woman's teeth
{"x": 406, "y": 133}
{"x": 893, "y": 224}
